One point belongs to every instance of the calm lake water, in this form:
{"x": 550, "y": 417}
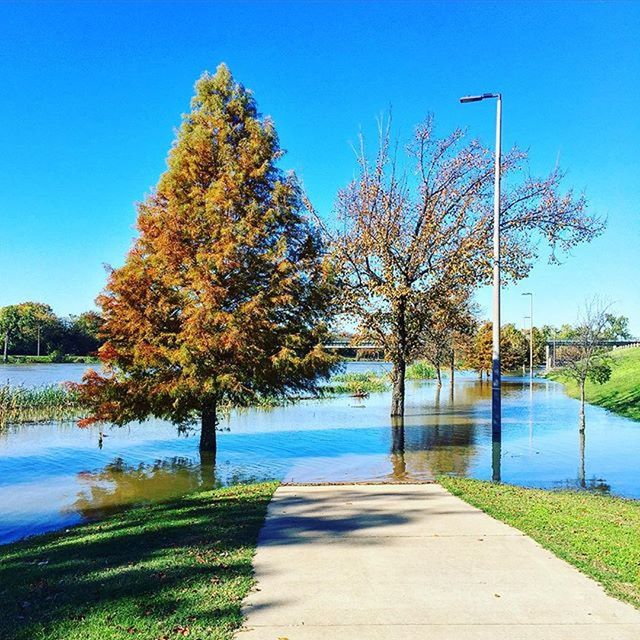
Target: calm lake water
{"x": 55, "y": 475}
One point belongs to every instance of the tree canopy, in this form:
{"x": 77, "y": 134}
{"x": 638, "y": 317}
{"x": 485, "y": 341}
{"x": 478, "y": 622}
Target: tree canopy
{"x": 408, "y": 240}
{"x": 225, "y": 293}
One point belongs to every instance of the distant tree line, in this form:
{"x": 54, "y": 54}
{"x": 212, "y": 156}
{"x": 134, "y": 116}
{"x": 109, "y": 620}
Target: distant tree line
{"x": 463, "y": 341}
{"x": 473, "y": 345}
{"x": 32, "y": 328}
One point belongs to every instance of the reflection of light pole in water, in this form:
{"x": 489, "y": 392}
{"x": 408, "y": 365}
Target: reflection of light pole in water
{"x": 496, "y": 454}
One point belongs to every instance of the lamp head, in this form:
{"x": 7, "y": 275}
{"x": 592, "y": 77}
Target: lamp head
{"x": 477, "y": 98}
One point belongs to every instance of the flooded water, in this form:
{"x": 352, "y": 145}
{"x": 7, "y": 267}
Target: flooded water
{"x": 34, "y": 375}
{"x": 52, "y": 476}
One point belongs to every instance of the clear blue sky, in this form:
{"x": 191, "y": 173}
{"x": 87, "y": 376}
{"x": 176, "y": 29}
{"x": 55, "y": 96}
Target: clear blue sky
{"x": 91, "y": 93}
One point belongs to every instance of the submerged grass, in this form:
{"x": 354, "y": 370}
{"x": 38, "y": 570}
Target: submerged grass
{"x": 20, "y": 404}
{"x": 170, "y": 570}
{"x": 360, "y": 382}
{"x": 621, "y": 393}
{"x": 420, "y": 370}
{"x": 370, "y": 381}
{"x": 600, "y": 535}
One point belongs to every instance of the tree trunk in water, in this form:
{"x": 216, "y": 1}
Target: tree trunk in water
{"x": 207, "y": 469}
{"x": 582, "y": 417}
{"x": 208, "y": 428}
{"x": 439, "y": 375}
{"x": 5, "y": 356}
{"x": 397, "y": 396}
{"x": 397, "y": 449}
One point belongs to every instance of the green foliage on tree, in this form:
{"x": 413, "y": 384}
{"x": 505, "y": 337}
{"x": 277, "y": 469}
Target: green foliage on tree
{"x": 514, "y": 348}
{"x": 617, "y": 328}
{"x": 9, "y": 326}
{"x": 586, "y": 358}
{"x": 31, "y": 327}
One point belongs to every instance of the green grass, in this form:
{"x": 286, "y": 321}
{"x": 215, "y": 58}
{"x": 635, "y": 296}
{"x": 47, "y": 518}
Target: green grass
{"x": 166, "y": 571}
{"x": 365, "y": 382}
{"x": 420, "y": 370}
{"x": 600, "y": 535}
{"x": 621, "y": 393}
{"x": 20, "y": 404}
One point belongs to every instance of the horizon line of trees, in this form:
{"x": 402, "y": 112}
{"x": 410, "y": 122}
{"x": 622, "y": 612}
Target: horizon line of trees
{"x": 471, "y": 345}
{"x": 32, "y": 328}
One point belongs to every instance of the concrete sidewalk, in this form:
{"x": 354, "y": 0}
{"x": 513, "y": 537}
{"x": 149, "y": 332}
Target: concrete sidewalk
{"x": 398, "y": 562}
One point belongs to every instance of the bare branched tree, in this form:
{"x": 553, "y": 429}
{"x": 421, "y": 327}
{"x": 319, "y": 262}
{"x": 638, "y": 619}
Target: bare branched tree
{"x": 406, "y": 241}
{"x": 587, "y": 358}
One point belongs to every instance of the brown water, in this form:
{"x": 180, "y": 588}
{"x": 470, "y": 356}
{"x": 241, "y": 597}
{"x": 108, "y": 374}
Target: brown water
{"x": 55, "y": 475}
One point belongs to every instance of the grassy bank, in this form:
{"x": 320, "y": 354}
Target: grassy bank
{"x": 621, "y": 393}
{"x": 37, "y": 404}
{"x": 600, "y": 535}
{"x": 165, "y": 571}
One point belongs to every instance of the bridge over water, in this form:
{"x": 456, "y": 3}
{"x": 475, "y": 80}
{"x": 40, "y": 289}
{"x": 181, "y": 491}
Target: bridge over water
{"x": 553, "y": 356}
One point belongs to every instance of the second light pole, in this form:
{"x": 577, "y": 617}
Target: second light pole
{"x": 496, "y": 396}
{"x": 530, "y": 334}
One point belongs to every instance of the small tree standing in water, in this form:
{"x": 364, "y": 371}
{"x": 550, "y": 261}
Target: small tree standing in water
{"x": 223, "y": 297}
{"x": 586, "y": 358}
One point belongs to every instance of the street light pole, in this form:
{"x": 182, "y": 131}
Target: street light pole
{"x": 496, "y": 396}
{"x": 524, "y": 328}
{"x": 530, "y": 333}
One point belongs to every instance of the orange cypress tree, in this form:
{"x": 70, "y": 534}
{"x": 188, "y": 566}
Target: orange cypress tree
{"x": 224, "y": 295}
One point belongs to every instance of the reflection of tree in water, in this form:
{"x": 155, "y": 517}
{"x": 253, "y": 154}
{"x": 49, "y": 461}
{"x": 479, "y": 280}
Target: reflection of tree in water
{"x": 120, "y": 484}
{"x": 442, "y": 441}
{"x": 597, "y": 485}
{"x": 593, "y": 484}
{"x": 398, "y": 463}
{"x": 443, "y": 448}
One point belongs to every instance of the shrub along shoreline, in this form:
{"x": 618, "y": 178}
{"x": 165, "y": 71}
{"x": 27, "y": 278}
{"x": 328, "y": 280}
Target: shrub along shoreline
{"x": 174, "y": 569}
{"x": 598, "y": 534}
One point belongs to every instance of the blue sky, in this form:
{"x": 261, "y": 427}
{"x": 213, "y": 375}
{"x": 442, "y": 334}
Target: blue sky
{"x": 92, "y": 92}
